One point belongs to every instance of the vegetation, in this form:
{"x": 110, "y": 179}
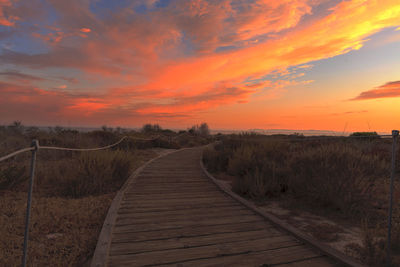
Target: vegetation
{"x": 365, "y": 134}
{"x": 72, "y": 190}
{"x": 201, "y": 130}
{"x": 343, "y": 176}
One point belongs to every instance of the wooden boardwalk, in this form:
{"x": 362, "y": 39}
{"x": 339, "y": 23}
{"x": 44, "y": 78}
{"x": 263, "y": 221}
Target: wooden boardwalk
{"x": 173, "y": 215}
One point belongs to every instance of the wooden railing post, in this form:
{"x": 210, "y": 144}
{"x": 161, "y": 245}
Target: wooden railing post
{"x": 35, "y": 144}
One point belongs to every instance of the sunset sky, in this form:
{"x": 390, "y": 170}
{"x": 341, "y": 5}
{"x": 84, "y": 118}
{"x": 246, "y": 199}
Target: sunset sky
{"x": 235, "y": 64}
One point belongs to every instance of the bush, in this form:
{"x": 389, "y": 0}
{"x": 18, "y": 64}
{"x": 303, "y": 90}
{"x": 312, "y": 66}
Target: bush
{"x": 93, "y": 173}
{"x": 97, "y": 173}
{"x": 262, "y": 165}
{"x": 364, "y": 134}
{"x": 336, "y": 176}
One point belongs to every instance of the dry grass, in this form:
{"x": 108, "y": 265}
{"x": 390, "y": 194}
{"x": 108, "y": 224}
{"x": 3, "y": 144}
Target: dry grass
{"x": 342, "y": 177}
{"x": 71, "y": 200}
{"x": 63, "y": 231}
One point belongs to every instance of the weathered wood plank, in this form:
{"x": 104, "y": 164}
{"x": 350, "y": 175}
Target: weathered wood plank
{"x": 157, "y": 214}
{"x": 266, "y": 257}
{"x": 211, "y": 251}
{"x": 193, "y": 231}
{"x": 134, "y": 208}
{"x": 146, "y": 226}
{"x": 318, "y": 261}
{"x": 187, "y": 217}
{"x": 122, "y": 248}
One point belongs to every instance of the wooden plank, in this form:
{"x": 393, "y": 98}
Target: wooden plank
{"x": 101, "y": 252}
{"x": 191, "y": 231}
{"x": 166, "y": 184}
{"x": 123, "y": 219}
{"x": 173, "y": 195}
{"x": 176, "y": 199}
{"x": 318, "y": 261}
{"x": 173, "y": 203}
{"x": 152, "y": 225}
{"x": 219, "y": 250}
{"x": 174, "y": 225}
{"x": 133, "y": 208}
{"x": 187, "y": 190}
{"x": 267, "y": 257}
{"x": 207, "y": 210}
{"x": 129, "y": 247}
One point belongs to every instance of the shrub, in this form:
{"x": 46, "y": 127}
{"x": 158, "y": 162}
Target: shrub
{"x": 263, "y": 166}
{"x": 364, "y": 134}
{"x": 202, "y": 130}
{"x": 93, "y": 173}
{"x": 335, "y": 175}
{"x": 98, "y": 173}
{"x": 216, "y": 157}
{"x": 340, "y": 174}
{"x": 12, "y": 175}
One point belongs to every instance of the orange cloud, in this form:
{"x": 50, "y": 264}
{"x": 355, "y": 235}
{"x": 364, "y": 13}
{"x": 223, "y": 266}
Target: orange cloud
{"x": 343, "y": 30}
{"x": 390, "y": 89}
{"x": 196, "y": 55}
{"x": 86, "y": 30}
{"x": 88, "y": 105}
{"x": 5, "y": 19}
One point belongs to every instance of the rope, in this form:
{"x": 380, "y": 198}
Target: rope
{"x": 72, "y": 149}
{"x": 82, "y": 149}
{"x": 94, "y": 149}
{"x": 16, "y": 153}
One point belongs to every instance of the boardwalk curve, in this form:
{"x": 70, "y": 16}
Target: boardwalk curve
{"x": 171, "y": 214}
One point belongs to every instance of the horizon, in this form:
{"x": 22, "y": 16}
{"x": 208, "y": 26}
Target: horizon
{"x": 266, "y": 131}
{"x": 236, "y": 65}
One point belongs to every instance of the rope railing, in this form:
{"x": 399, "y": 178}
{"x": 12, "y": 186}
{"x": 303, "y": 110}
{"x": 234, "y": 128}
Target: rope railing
{"x": 74, "y": 149}
{"x": 35, "y": 146}
{"x": 16, "y": 153}
{"x": 83, "y": 149}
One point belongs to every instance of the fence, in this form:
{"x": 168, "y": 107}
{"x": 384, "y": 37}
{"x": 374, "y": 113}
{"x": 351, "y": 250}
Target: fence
{"x": 35, "y": 146}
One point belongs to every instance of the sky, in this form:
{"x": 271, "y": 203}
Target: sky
{"x": 235, "y": 64}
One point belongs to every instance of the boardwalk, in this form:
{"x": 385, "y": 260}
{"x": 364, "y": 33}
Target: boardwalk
{"x": 173, "y": 215}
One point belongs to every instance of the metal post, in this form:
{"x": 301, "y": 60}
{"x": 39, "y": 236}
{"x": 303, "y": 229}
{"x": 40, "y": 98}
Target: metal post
{"x": 35, "y": 144}
{"x": 395, "y": 134}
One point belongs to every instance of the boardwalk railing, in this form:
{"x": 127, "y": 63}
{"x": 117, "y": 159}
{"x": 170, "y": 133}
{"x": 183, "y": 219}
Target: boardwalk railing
{"x": 34, "y": 148}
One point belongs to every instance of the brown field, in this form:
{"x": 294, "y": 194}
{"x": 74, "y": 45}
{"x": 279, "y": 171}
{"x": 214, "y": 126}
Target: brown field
{"x": 72, "y": 190}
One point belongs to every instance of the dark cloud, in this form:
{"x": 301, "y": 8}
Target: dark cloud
{"x": 14, "y": 74}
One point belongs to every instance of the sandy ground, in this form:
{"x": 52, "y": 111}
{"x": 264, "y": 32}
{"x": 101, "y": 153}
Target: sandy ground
{"x": 337, "y": 235}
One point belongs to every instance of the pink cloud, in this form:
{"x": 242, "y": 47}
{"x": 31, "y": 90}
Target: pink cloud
{"x": 390, "y": 89}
